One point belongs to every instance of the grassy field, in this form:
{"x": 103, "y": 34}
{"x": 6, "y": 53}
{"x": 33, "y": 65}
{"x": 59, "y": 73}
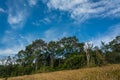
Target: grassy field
{"x": 110, "y": 72}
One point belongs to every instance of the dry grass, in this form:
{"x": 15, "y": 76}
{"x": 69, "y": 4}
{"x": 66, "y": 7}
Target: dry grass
{"x": 110, "y": 72}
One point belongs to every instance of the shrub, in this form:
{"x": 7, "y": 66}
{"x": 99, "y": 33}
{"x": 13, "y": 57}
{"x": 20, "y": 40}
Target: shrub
{"x": 113, "y": 57}
{"x": 75, "y": 62}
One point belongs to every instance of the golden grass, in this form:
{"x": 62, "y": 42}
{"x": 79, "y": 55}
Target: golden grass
{"x": 110, "y": 72}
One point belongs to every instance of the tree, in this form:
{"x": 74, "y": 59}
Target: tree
{"x": 113, "y": 56}
{"x": 52, "y": 50}
{"x": 98, "y": 56}
{"x": 39, "y": 48}
{"x": 87, "y": 48}
{"x": 21, "y": 57}
{"x": 66, "y": 53}
{"x": 69, "y": 45}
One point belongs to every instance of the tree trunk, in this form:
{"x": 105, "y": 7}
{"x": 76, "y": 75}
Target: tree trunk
{"x": 52, "y": 60}
{"x": 88, "y": 58}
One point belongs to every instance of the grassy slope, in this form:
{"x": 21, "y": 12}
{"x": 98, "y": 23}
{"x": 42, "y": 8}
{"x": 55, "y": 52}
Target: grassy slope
{"x": 110, "y": 72}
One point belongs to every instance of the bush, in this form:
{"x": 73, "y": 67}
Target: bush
{"x": 98, "y": 59}
{"x": 75, "y": 62}
{"x": 45, "y": 69}
{"x": 113, "y": 57}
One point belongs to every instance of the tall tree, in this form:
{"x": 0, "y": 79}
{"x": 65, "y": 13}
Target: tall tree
{"x": 113, "y": 56}
{"x": 52, "y": 50}
{"x": 69, "y": 45}
{"x": 39, "y": 48}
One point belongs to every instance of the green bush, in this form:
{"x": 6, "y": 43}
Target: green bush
{"x": 113, "y": 57}
{"x": 75, "y": 62}
{"x": 98, "y": 59}
{"x": 45, "y": 69}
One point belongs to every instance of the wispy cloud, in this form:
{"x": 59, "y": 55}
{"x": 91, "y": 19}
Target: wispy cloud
{"x": 42, "y": 21}
{"x": 2, "y": 10}
{"x": 16, "y": 21}
{"x": 32, "y": 2}
{"x": 82, "y": 10}
{"x": 54, "y": 34}
{"x": 47, "y": 20}
{"x": 14, "y": 42}
{"x": 11, "y": 51}
{"x": 18, "y": 12}
{"x": 108, "y": 36}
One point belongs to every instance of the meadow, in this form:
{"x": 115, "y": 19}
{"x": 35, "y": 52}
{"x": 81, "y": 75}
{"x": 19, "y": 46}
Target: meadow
{"x": 109, "y": 72}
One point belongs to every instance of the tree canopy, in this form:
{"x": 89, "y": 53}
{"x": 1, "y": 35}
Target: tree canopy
{"x": 66, "y": 53}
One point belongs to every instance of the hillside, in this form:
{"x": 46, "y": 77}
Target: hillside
{"x": 109, "y": 72}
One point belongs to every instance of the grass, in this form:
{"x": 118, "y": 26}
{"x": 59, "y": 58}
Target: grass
{"x": 109, "y": 72}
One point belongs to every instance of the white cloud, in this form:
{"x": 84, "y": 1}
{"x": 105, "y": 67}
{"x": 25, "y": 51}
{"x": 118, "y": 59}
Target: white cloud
{"x": 2, "y": 10}
{"x": 108, "y": 36}
{"x": 47, "y": 20}
{"x": 42, "y": 21}
{"x": 85, "y": 9}
{"x": 50, "y": 35}
{"x": 7, "y": 51}
{"x": 11, "y": 51}
{"x": 54, "y": 34}
{"x": 27, "y": 38}
{"x": 17, "y": 20}
{"x": 17, "y": 13}
{"x": 13, "y": 42}
{"x": 32, "y": 2}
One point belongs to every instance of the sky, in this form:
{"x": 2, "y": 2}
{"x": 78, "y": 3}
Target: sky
{"x": 23, "y": 21}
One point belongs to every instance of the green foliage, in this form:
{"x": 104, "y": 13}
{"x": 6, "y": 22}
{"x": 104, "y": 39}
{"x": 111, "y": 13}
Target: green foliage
{"x": 113, "y": 57}
{"x": 67, "y": 53}
{"x": 2, "y": 71}
{"x": 98, "y": 59}
{"x": 113, "y": 52}
{"x": 45, "y": 69}
{"x": 75, "y": 62}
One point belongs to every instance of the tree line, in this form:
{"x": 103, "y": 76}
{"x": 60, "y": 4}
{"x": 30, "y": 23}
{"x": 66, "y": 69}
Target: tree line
{"x": 66, "y": 53}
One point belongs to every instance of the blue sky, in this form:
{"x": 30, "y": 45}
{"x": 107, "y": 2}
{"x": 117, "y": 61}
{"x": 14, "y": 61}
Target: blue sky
{"x": 22, "y": 21}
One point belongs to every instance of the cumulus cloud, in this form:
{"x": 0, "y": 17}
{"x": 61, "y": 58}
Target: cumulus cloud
{"x": 108, "y": 36}
{"x": 82, "y": 10}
